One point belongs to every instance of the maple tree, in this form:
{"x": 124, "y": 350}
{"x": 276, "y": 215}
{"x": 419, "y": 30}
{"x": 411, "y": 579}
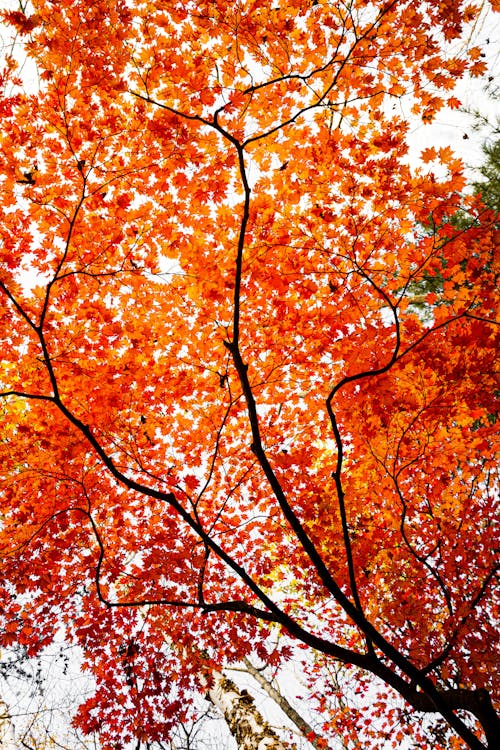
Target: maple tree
{"x": 222, "y": 411}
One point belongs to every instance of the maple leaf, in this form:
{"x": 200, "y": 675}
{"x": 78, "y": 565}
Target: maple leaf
{"x": 254, "y": 378}
{"x": 24, "y": 24}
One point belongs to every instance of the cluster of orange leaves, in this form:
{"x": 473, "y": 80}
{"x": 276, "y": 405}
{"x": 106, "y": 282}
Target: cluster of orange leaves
{"x": 207, "y": 208}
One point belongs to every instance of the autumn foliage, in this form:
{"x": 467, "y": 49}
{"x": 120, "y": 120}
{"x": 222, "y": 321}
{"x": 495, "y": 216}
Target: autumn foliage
{"x": 230, "y": 403}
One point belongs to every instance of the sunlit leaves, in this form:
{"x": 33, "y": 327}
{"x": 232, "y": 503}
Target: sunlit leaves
{"x": 209, "y": 227}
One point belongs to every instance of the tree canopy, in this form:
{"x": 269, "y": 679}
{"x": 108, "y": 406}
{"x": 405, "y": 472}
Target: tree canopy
{"x": 223, "y": 416}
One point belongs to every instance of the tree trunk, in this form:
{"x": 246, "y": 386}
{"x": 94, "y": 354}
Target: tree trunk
{"x": 304, "y": 728}
{"x": 245, "y": 722}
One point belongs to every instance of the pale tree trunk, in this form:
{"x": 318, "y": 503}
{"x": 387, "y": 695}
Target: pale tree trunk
{"x": 304, "y": 728}
{"x": 245, "y": 722}
{"x": 7, "y": 739}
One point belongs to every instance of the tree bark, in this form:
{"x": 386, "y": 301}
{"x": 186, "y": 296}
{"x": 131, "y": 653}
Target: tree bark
{"x": 478, "y": 702}
{"x": 304, "y": 728}
{"x": 245, "y": 722}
